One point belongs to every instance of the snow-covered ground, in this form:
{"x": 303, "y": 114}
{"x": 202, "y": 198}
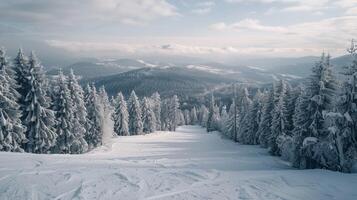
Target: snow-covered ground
{"x": 187, "y": 164}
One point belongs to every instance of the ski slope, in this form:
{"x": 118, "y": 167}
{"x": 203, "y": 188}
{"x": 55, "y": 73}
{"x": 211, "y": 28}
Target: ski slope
{"x": 187, "y": 164}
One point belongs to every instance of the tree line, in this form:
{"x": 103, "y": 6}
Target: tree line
{"x": 312, "y": 125}
{"x": 41, "y": 114}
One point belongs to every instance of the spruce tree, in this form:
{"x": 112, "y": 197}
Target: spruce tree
{"x": 173, "y": 112}
{"x": 187, "y": 116}
{"x": 264, "y": 130}
{"x": 39, "y": 119}
{"x": 342, "y": 138}
{"x": 203, "y": 116}
{"x": 107, "y": 113}
{"x": 148, "y": 117}
{"x": 135, "y": 121}
{"x": 210, "y": 120}
{"x": 279, "y": 119}
{"x": 79, "y": 120}
{"x": 121, "y": 116}
{"x": 253, "y": 119}
{"x": 156, "y": 106}
{"x": 63, "y": 107}
{"x": 94, "y": 136}
{"x": 232, "y": 124}
{"x": 11, "y": 130}
{"x": 21, "y": 68}
{"x": 193, "y": 116}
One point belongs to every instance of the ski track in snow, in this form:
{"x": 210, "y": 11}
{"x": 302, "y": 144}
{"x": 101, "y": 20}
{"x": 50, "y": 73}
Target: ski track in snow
{"x": 187, "y": 164}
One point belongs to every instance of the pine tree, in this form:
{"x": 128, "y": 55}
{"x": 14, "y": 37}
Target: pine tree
{"x": 187, "y": 116}
{"x": 264, "y": 130}
{"x": 165, "y": 114}
{"x": 203, "y": 116}
{"x": 253, "y": 119}
{"x": 301, "y": 126}
{"x": 22, "y": 73}
{"x": 121, "y": 116}
{"x": 94, "y": 134}
{"x": 244, "y": 105}
{"x": 193, "y": 116}
{"x": 79, "y": 120}
{"x": 39, "y": 119}
{"x": 11, "y": 130}
{"x": 63, "y": 107}
{"x": 173, "y": 113}
{"x": 312, "y": 150}
{"x": 181, "y": 118}
{"x": 224, "y": 118}
{"x": 210, "y": 121}
{"x": 342, "y": 138}
{"x": 156, "y": 107}
{"x": 279, "y": 119}
{"x": 148, "y": 117}
{"x": 232, "y": 124}
{"x": 107, "y": 112}
{"x": 135, "y": 121}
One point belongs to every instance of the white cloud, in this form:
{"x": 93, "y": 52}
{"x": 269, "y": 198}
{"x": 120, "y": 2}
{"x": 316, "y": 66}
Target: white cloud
{"x": 203, "y": 7}
{"x": 248, "y": 24}
{"x": 85, "y": 11}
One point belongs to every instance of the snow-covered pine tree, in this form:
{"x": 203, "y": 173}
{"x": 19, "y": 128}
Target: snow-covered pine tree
{"x": 314, "y": 151}
{"x": 39, "y": 119}
{"x": 11, "y": 130}
{"x": 252, "y": 120}
{"x": 232, "y": 124}
{"x": 148, "y": 117}
{"x": 210, "y": 121}
{"x": 216, "y": 118}
{"x": 21, "y": 69}
{"x": 94, "y": 134}
{"x": 193, "y": 116}
{"x": 244, "y": 105}
{"x": 156, "y": 107}
{"x": 301, "y": 126}
{"x": 173, "y": 113}
{"x": 121, "y": 116}
{"x": 279, "y": 119}
{"x": 164, "y": 114}
{"x": 187, "y": 116}
{"x": 342, "y": 138}
{"x": 286, "y": 142}
{"x": 264, "y": 130}
{"x": 224, "y": 118}
{"x": 79, "y": 122}
{"x": 203, "y": 116}
{"x": 135, "y": 121}
{"x": 107, "y": 112}
{"x": 181, "y": 118}
{"x": 63, "y": 107}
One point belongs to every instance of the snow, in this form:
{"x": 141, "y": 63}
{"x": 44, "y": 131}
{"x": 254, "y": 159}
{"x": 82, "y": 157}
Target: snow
{"x": 187, "y": 164}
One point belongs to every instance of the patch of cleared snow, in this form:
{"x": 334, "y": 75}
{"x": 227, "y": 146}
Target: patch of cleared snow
{"x": 256, "y": 68}
{"x": 146, "y": 64}
{"x": 290, "y": 76}
{"x": 187, "y": 164}
{"x": 211, "y": 69}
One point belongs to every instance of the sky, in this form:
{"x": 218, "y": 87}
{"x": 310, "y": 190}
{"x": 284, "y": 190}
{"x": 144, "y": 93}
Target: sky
{"x": 212, "y": 29}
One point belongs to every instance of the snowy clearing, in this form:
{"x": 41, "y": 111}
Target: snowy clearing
{"x": 187, "y": 164}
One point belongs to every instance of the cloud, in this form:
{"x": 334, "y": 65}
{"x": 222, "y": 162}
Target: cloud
{"x": 85, "y": 11}
{"x": 204, "y": 7}
{"x": 291, "y": 5}
{"x": 248, "y": 24}
{"x": 351, "y": 11}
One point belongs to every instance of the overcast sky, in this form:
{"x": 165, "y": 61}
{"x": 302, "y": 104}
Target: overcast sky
{"x": 226, "y": 28}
